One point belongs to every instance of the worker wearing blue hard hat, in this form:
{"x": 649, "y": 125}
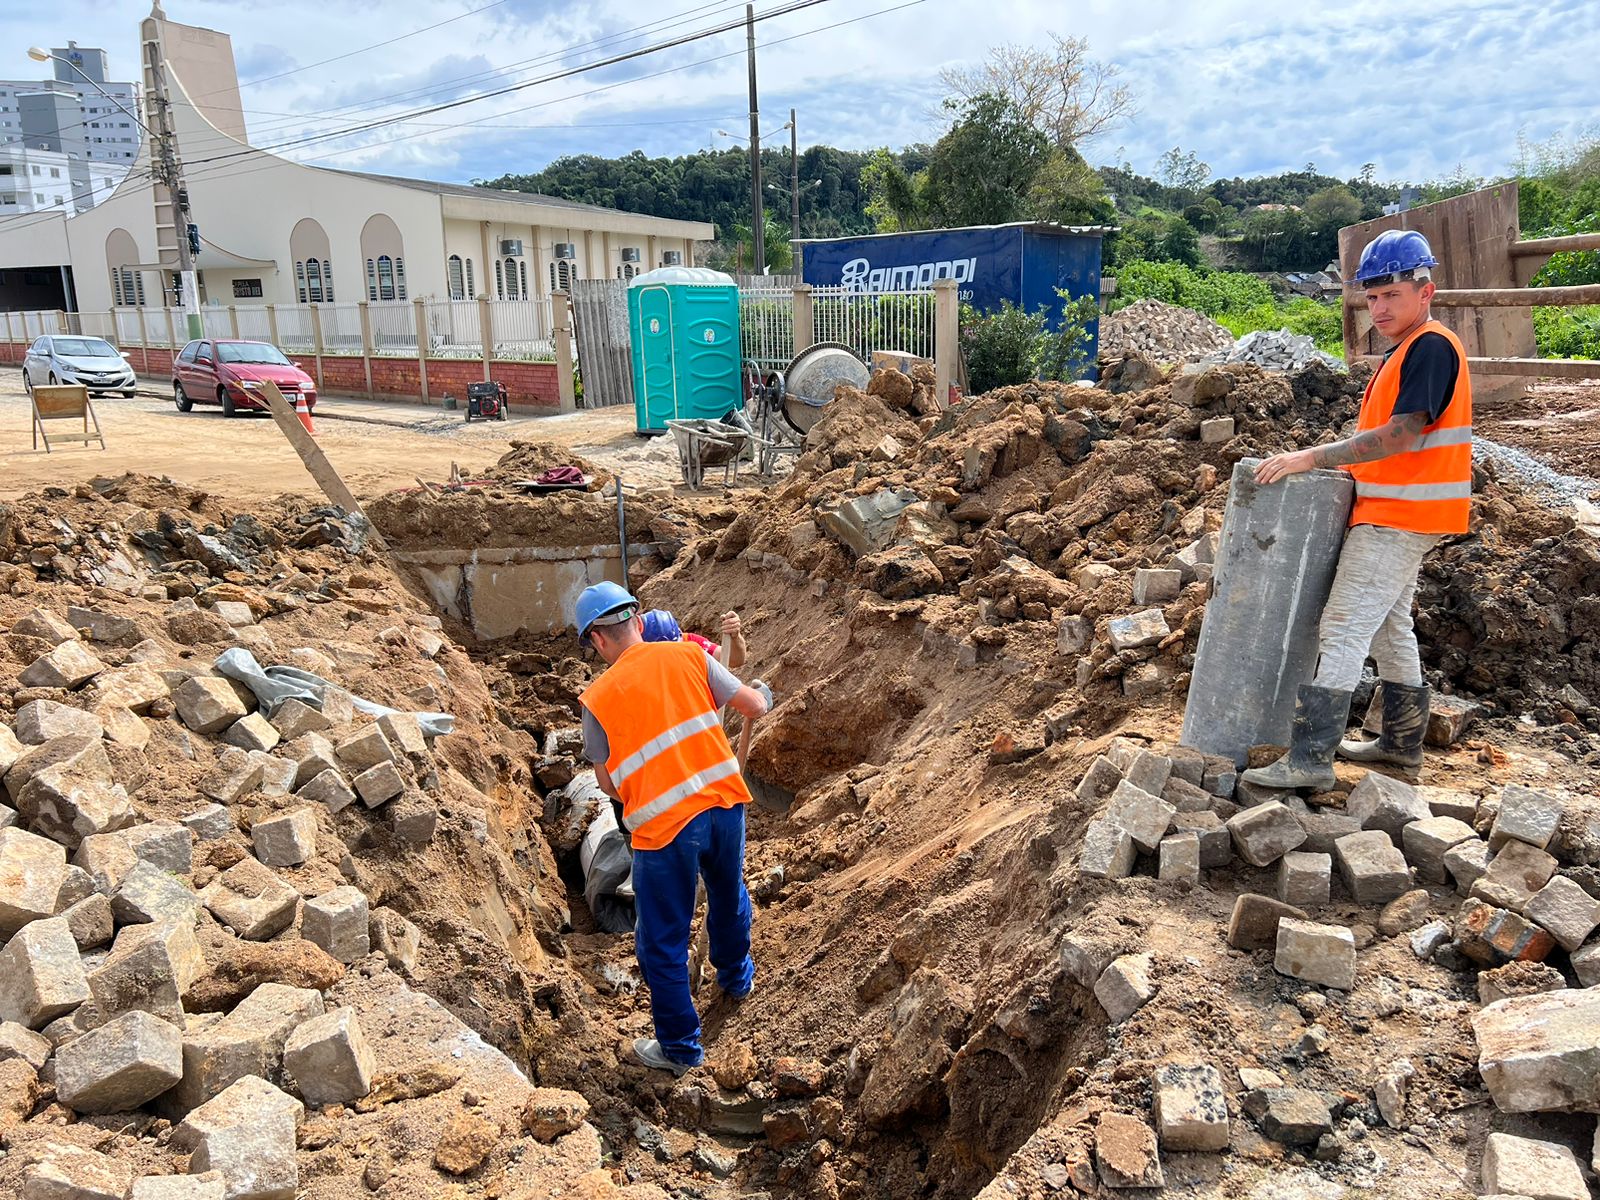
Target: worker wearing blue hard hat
{"x": 661, "y": 626}
{"x": 1411, "y": 457}
{"x": 652, "y": 730}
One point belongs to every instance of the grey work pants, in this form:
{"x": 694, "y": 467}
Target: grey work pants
{"x": 1369, "y": 608}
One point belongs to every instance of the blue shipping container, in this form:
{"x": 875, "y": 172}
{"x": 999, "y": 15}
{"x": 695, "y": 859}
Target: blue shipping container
{"x": 1023, "y": 262}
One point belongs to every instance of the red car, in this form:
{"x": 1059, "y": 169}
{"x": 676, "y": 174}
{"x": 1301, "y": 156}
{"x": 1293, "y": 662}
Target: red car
{"x": 230, "y": 373}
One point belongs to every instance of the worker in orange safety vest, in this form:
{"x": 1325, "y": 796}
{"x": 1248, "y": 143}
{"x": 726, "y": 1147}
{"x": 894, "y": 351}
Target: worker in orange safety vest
{"x": 653, "y": 730}
{"x": 1411, "y": 457}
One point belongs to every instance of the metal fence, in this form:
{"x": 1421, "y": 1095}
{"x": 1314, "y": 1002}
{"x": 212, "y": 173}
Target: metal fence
{"x": 901, "y": 321}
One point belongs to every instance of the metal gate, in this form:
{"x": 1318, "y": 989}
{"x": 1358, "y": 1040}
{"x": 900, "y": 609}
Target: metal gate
{"x": 605, "y": 360}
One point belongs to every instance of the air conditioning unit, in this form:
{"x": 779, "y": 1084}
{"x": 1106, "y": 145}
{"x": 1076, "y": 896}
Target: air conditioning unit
{"x": 672, "y": 258}
{"x": 511, "y": 247}
{"x": 630, "y": 254}
{"x": 566, "y": 250}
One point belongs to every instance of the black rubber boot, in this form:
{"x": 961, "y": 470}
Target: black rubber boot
{"x": 1405, "y": 724}
{"x": 1319, "y": 719}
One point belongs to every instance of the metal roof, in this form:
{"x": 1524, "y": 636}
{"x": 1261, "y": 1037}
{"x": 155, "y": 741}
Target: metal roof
{"x": 1041, "y": 226}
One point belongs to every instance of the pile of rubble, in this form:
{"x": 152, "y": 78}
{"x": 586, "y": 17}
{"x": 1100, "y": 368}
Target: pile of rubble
{"x": 1168, "y": 333}
{"x": 1501, "y": 889}
{"x": 1275, "y": 350}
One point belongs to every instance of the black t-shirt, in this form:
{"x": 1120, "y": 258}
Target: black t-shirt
{"x": 1427, "y": 376}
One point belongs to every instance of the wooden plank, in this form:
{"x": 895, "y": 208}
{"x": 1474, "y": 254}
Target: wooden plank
{"x": 1548, "y": 368}
{"x": 1521, "y": 297}
{"x": 316, "y": 462}
{"x": 55, "y": 402}
{"x": 1544, "y": 247}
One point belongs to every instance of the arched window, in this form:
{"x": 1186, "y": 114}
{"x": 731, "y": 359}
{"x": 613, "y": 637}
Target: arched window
{"x": 314, "y": 280}
{"x": 627, "y": 271}
{"x": 308, "y": 245}
{"x": 561, "y": 275}
{"x": 472, "y": 286}
{"x": 512, "y": 291}
{"x": 522, "y": 276}
{"x": 300, "y": 281}
{"x": 383, "y": 252}
{"x": 372, "y": 279}
{"x": 127, "y": 284}
{"x": 499, "y": 281}
{"x": 454, "y": 277}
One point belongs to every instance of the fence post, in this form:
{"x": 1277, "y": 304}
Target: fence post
{"x": 561, "y": 317}
{"x": 486, "y": 332}
{"x": 233, "y": 320}
{"x": 272, "y": 324}
{"x": 366, "y": 344}
{"x": 66, "y": 324}
{"x": 422, "y": 348}
{"x": 946, "y": 336}
{"x": 804, "y": 318}
{"x": 316, "y": 340}
{"x": 10, "y": 337}
{"x": 172, "y": 332}
{"x": 144, "y": 340}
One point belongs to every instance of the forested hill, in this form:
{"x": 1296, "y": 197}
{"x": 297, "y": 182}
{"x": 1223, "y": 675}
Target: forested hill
{"x": 714, "y": 185}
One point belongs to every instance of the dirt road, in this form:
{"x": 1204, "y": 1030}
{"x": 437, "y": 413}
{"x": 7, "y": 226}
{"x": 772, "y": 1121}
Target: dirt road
{"x": 247, "y": 458}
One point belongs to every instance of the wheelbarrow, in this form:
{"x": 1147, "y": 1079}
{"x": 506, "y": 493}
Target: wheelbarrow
{"x": 702, "y": 444}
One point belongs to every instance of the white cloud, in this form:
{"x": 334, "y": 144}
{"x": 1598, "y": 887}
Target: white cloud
{"x": 1417, "y": 89}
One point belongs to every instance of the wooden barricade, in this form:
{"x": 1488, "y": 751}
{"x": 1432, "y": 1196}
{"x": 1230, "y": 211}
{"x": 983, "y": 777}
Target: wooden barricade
{"x": 64, "y": 402}
{"x": 1483, "y": 297}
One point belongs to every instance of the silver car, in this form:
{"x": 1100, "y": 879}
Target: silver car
{"x": 69, "y": 358}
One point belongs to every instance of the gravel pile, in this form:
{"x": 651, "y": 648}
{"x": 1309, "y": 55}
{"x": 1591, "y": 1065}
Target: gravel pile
{"x": 1166, "y": 332}
{"x": 1276, "y": 350}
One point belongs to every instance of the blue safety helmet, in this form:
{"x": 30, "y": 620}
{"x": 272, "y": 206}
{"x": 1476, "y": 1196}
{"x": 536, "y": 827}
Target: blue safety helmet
{"x": 1395, "y": 254}
{"x": 661, "y": 626}
{"x": 604, "y": 603}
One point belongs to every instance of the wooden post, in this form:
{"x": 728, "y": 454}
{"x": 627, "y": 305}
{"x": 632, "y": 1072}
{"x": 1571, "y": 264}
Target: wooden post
{"x": 272, "y": 324}
{"x": 804, "y": 317}
{"x": 561, "y": 313}
{"x": 316, "y": 340}
{"x": 144, "y": 339}
{"x": 422, "y": 348}
{"x": 317, "y": 462}
{"x": 946, "y": 336}
{"x": 486, "y": 332}
{"x": 366, "y": 344}
{"x": 233, "y": 320}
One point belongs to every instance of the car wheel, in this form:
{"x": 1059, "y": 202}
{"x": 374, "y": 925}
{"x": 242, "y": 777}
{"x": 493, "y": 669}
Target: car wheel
{"x": 129, "y": 395}
{"x": 228, "y": 410}
{"x": 181, "y": 397}
{"x": 27, "y": 381}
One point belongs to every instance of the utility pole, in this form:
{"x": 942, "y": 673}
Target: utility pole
{"x": 758, "y": 231}
{"x": 794, "y": 185}
{"x": 169, "y": 172}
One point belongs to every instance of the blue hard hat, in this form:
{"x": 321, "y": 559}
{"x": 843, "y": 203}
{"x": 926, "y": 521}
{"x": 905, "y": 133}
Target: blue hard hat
{"x": 1394, "y": 254}
{"x": 661, "y": 626}
{"x": 600, "y": 601}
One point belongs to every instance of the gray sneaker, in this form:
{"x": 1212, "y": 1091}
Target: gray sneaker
{"x": 649, "y": 1052}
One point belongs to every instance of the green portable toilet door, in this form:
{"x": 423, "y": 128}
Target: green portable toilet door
{"x": 656, "y": 348}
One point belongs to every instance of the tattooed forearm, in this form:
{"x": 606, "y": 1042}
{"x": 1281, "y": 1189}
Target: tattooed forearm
{"x": 1398, "y": 436}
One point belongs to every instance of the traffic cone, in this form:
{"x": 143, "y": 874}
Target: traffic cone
{"x": 303, "y": 411}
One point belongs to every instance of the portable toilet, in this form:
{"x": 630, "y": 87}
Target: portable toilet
{"x": 684, "y": 326}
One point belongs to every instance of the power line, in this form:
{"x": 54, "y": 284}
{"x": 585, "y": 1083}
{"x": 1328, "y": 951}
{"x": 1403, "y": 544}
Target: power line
{"x": 218, "y": 174}
{"x": 614, "y": 60}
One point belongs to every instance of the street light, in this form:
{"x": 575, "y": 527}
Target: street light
{"x": 183, "y": 230}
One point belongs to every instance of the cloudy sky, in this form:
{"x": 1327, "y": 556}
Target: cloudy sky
{"x": 1420, "y": 90}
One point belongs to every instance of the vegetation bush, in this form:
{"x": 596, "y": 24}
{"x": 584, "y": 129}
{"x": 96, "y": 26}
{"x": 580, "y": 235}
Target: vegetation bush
{"x": 1011, "y": 345}
{"x": 1568, "y": 332}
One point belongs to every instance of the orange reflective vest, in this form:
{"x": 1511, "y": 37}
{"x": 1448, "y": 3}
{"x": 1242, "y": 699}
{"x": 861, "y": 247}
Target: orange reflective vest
{"x": 669, "y": 760}
{"x": 1429, "y": 489}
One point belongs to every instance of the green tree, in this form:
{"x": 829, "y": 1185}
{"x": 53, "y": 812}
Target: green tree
{"x": 1056, "y": 87}
{"x": 776, "y": 245}
{"x": 1068, "y": 191}
{"x": 1182, "y": 171}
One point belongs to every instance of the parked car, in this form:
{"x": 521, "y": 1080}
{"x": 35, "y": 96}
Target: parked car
{"x": 70, "y": 358}
{"x": 230, "y": 373}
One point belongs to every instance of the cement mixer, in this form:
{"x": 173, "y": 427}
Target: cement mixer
{"x": 789, "y": 402}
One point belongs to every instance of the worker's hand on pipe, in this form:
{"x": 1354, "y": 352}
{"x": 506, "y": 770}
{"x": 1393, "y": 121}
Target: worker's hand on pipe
{"x": 731, "y": 624}
{"x": 752, "y": 700}
{"x": 1281, "y": 466}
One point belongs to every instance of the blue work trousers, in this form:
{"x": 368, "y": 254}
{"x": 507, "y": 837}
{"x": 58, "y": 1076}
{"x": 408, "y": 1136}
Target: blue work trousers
{"x": 710, "y": 847}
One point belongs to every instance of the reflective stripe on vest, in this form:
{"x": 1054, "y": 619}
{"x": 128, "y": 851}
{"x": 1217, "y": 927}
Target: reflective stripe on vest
{"x": 668, "y": 758}
{"x": 661, "y": 742}
{"x": 1427, "y": 489}
{"x": 654, "y": 808}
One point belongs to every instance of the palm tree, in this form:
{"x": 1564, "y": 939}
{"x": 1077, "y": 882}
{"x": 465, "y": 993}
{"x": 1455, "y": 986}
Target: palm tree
{"x": 779, "y": 251}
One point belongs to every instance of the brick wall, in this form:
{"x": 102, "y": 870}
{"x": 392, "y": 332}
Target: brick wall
{"x": 532, "y": 386}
